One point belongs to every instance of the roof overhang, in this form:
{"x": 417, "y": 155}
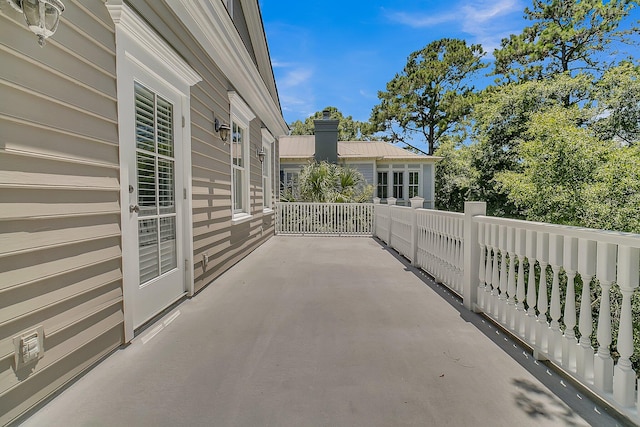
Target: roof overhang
{"x": 210, "y": 23}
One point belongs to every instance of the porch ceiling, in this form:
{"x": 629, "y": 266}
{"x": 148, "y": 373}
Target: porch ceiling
{"x": 319, "y": 331}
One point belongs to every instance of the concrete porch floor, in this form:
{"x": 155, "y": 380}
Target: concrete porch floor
{"x": 315, "y": 331}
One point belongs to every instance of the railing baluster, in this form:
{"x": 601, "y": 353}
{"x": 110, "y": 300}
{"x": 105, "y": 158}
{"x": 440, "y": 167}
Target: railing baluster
{"x": 624, "y": 377}
{"x": 530, "y": 326}
{"x": 511, "y": 279}
{"x": 542, "y": 325}
{"x": 555, "y": 260}
{"x": 502, "y": 284}
{"x": 586, "y": 268}
{"x": 488, "y": 272}
{"x": 569, "y": 342}
{"x": 483, "y": 266}
{"x": 606, "y": 274}
{"x": 521, "y": 249}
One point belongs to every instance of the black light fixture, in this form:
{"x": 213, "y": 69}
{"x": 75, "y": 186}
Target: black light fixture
{"x": 42, "y": 16}
{"x": 223, "y": 129}
{"x": 261, "y": 154}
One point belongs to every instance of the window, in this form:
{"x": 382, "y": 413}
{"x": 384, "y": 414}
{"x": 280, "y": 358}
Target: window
{"x": 414, "y": 184}
{"x": 288, "y": 183}
{"x": 241, "y": 116}
{"x": 238, "y": 168}
{"x": 398, "y": 183}
{"x": 267, "y": 170}
{"x": 383, "y": 182}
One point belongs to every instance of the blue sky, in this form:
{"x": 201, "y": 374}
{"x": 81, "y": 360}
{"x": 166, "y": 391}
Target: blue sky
{"x": 341, "y": 53}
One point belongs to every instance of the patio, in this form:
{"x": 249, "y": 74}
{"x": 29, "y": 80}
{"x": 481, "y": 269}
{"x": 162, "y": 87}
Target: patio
{"x": 322, "y": 331}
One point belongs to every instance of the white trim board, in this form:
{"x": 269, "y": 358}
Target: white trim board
{"x": 210, "y": 23}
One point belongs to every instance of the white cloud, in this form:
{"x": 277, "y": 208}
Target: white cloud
{"x": 485, "y": 20}
{"x": 295, "y": 77}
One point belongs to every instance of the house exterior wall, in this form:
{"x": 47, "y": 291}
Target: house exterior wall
{"x": 61, "y": 263}
{"x": 214, "y": 236}
{"x": 366, "y": 169}
{"x": 60, "y": 256}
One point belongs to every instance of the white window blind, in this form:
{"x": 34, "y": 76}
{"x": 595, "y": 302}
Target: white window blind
{"x": 156, "y": 183}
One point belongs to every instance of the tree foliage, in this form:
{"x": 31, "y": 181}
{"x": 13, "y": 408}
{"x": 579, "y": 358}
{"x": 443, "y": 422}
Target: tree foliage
{"x": 566, "y": 36}
{"x": 618, "y": 101}
{"x": 455, "y": 175}
{"x": 431, "y": 95}
{"x": 348, "y": 129}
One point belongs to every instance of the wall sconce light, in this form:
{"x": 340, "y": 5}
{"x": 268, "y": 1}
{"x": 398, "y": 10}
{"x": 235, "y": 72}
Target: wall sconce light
{"x": 261, "y": 154}
{"x": 223, "y": 129}
{"x": 42, "y": 16}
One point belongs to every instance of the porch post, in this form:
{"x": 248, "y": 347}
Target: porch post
{"x": 391, "y": 201}
{"x": 374, "y": 230}
{"x": 416, "y": 203}
{"x": 471, "y": 254}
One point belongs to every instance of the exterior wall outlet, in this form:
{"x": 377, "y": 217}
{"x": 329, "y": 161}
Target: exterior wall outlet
{"x": 205, "y": 261}
{"x": 29, "y": 347}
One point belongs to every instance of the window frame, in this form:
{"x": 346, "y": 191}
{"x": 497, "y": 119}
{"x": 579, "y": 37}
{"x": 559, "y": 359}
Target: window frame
{"x": 267, "y": 166}
{"x": 382, "y": 187}
{"x": 413, "y": 186}
{"x": 241, "y": 116}
{"x": 398, "y": 187}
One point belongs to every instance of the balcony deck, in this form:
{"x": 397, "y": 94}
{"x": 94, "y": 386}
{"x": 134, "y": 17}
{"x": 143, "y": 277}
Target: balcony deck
{"x": 319, "y": 331}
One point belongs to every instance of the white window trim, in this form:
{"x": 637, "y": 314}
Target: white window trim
{"x": 141, "y": 51}
{"x": 267, "y": 193}
{"x": 242, "y": 115}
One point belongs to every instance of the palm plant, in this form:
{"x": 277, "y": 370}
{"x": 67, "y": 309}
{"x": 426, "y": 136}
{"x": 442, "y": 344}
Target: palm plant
{"x": 325, "y": 182}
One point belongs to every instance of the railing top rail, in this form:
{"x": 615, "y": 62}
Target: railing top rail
{"x": 400, "y": 207}
{"x": 324, "y": 204}
{"x": 613, "y": 237}
{"x": 442, "y": 213}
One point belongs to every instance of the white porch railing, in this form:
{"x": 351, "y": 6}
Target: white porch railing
{"x": 342, "y": 219}
{"x": 488, "y": 261}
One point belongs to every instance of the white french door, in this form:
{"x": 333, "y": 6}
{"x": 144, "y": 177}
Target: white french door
{"x": 156, "y": 172}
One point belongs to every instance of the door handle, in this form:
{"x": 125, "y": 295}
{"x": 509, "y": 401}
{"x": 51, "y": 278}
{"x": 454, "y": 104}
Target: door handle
{"x": 134, "y": 208}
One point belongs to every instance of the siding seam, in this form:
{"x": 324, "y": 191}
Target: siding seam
{"x": 57, "y": 130}
{"x": 60, "y": 273}
{"x": 62, "y": 159}
{"x": 56, "y": 302}
{"x": 63, "y": 76}
{"x": 57, "y": 245}
{"x": 59, "y": 102}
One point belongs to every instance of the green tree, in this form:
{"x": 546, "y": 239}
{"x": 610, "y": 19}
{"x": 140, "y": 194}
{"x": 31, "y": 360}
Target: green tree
{"x": 612, "y": 199}
{"x": 349, "y": 129}
{"x": 455, "y": 174}
{"x": 618, "y": 98}
{"x": 566, "y": 36}
{"x": 431, "y": 95}
{"x": 325, "y": 182}
{"x": 559, "y": 160}
{"x": 501, "y": 120}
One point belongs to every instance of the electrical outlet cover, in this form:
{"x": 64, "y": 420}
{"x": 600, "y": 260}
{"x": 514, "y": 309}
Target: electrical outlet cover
{"x": 29, "y": 347}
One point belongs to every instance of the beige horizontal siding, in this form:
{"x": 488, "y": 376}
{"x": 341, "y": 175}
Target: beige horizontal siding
{"x": 60, "y": 236}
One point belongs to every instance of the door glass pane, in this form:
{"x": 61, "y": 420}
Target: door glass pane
{"x": 148, "y": 248}
{"x": 165, "y": 127}
{"x": 168, "y": 255}
{"x": 145, "y": 118}
{"x": 166, "y": 186}
{"x": 146, "y": 184}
